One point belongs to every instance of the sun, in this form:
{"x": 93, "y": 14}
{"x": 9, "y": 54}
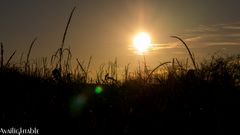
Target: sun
{"x": 141, "y": 42}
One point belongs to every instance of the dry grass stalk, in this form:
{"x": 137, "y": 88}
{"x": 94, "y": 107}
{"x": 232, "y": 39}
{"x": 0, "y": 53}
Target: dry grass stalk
{"x": 29, "y": 51}
{"x": 189, "y": 52}
{"x": 1, "y": 55}
{"x": 80, "y": 65}
{"x": 156, "y": 69}
{"x": 20, "y": 60}
{"x": 64, "y": 37}
{"x": 8, "y": 61}
{"x": 126, "y": 72}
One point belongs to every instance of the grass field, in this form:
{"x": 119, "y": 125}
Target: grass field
{"x": 172, "y": 98}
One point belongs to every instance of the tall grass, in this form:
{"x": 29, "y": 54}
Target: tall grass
{"x": 85, "y": 73}
{"x": 59, "y": 71}
{"x": 10, "y": 58}
{"x": 151, "y": 73}
{"x": 28, "y": 55}
{"x": 189, "y": 52}
{"x": 61, "y": 49}
{"x": 1, "y": 55}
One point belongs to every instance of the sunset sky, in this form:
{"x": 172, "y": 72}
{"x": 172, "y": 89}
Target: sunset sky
{"x": 104, "y": 29}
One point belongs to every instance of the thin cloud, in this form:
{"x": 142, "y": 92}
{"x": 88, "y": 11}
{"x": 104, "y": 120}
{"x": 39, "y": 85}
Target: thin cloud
{"x": 214, "y": 35}
{"x": 202, "y": 28}
{"x": 179, "y": 52}
{"x": 164, "y": 45}
{"x": 233, "y": 35}
{"x": 191, "y": 39}
{"x": 222, "y": 44}
{"x": 232, "y": 27}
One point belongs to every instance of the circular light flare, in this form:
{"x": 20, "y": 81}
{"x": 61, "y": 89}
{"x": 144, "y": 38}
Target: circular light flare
{"x": 98, "y": 90}
{"x": 142, "y": 42}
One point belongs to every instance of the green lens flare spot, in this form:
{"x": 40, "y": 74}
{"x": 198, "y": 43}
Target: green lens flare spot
{"x": 98, "y": 90}
{"x": 77, "y": 104}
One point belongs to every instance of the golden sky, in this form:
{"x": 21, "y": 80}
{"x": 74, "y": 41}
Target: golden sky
{"x": 104, "y": 29}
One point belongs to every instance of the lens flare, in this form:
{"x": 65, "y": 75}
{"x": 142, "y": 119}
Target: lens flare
{"x": 98, "y": 90}
{"x": 77, "y": 103}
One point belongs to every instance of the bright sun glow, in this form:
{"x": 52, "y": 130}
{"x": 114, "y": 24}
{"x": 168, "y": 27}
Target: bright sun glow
{"x": 142, "y": 42}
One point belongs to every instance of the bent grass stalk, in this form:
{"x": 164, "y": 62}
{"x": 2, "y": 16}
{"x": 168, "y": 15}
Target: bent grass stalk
{"x": 189, "y": 52}
{"x": 156, "y": 69}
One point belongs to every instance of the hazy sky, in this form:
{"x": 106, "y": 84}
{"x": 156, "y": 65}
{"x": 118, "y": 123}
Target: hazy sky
{"x": 104, "y": 29}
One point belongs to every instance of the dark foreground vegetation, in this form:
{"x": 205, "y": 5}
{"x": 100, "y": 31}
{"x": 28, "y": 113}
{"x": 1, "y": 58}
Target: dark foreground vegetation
{"x": 179, "y": 101}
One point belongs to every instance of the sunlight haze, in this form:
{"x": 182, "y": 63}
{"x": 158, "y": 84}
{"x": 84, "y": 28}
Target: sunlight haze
{"x": 104, "y": 29}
